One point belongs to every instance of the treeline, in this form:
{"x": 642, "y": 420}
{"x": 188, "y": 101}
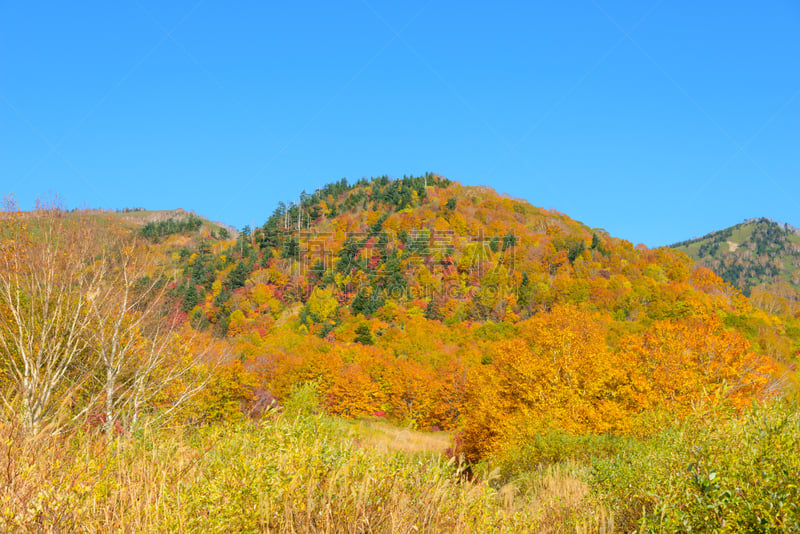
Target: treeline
{"x": 343, "y": 197}
{"x": 157, "y": 229}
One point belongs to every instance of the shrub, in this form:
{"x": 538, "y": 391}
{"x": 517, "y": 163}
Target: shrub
{"x": 715, "y": 472}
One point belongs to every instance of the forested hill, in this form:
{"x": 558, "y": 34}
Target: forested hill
{"x": 443, "y": 305}
{"x": 758, "y": 252}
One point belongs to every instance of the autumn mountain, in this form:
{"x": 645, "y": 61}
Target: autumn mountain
{"x": 758, "y": 252}
{"x": 531, "y": 340}
{"x": 444, "y": 305}
{"x": 447, "y": 306}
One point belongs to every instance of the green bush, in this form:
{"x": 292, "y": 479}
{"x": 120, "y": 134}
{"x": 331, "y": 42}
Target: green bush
{"x": 555, "y": 447}
{"x": 713, "y": 473}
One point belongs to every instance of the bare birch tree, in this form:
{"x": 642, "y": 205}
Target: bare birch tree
{"x": 85, "y": 324}
{"x": 44, "y": 319}
{"x": 134, "y": 336}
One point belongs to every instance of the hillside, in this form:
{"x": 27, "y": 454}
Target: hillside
{"x": 756, "y": 252}
{"x": 405, "y": 297}
{"x": 303, "y": 356}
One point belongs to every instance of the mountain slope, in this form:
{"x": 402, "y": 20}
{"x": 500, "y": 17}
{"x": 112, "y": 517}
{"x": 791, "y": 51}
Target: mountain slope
{"x": 445, "y": 306}
{"x": 756, "y": 252}
{"x": 442, "y": 305}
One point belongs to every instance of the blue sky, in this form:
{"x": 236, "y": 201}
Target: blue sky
{"x": 656, "y": 120}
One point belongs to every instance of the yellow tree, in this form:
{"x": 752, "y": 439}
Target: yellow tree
{"x": 688, "y": 359}
{"x": 559, "y": 375}
{"x": 353, "y": 393}
{"x": 83, "y": 321}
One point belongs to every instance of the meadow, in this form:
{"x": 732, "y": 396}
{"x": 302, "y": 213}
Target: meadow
{"x": 296, "y": 469}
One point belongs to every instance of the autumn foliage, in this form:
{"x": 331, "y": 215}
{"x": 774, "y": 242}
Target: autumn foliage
{"x": 522, "y": 334}
{"x": 453, "y": 307}
{"x": 560, "y": 375}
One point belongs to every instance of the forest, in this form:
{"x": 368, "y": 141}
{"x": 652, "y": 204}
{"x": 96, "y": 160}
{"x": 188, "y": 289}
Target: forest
{"x": 536, "y": 374}
{"x": 757, "y": 255}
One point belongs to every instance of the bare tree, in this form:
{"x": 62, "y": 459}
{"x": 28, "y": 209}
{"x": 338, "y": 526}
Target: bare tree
{"x": 85, "y": 323}
{"x": 45, "y": 276}
{"x": 134, "y": 335}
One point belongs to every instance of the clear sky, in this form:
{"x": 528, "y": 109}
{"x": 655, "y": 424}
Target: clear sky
{"x": 656, "y": 120}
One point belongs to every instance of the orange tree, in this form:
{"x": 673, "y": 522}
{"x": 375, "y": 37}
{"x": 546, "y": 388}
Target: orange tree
{"x": 559, "y": 375}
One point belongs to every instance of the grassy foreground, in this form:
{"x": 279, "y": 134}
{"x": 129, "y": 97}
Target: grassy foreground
{"x": 297, "y": 471}
{"x": 302, "y": 471}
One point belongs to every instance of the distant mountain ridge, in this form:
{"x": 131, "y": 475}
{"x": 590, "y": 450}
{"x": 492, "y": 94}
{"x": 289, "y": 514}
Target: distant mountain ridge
{"x": 754, "y": 252}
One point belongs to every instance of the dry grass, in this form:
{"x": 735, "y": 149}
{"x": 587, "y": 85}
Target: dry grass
{"x": 291, "y": 474}
{"x": 295, "y": 471}
{"x": 558, "y": 495}
{"x": 384, "y": 437}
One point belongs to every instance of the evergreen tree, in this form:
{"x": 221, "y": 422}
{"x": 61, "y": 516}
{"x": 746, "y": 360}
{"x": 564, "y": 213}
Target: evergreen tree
{"x": 190, "y": 298}
{"x": 364, "y": 335}
{"x": 238, "y": 275}
{"x": 291, "y": 248}
{"x": 433, "y": 312}
{"x": 510, "y": 240}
